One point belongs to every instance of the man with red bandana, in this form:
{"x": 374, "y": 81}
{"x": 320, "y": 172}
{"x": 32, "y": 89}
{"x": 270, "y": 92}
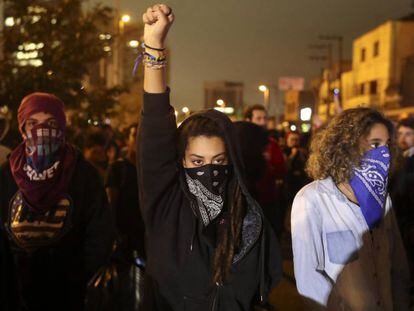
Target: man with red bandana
{"x": 56, "y": 226}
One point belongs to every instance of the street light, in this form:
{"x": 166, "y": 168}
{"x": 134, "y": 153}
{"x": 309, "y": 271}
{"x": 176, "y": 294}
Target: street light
{"x": 263, "y": 88}
{"x": 220, "y": 102}
{"x": 133, "y": 43}
{"x": 125, "y": 18}
{"x": 185, "y": 110}
{"x": 266, "y": 95}
{"x": 9, "y": 21}
{"x": 306, "y": 114}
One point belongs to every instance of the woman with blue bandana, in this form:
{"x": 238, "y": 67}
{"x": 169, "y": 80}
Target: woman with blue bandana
{"x": 348, "y": 253}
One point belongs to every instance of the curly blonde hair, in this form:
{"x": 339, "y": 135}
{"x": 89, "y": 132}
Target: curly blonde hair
{"x": 336, "y": 149}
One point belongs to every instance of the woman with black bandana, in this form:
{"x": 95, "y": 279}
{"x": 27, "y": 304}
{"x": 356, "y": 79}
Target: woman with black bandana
{"x": 208, "y": 245}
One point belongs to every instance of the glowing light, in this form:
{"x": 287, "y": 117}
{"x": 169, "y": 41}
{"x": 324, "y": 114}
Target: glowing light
{"x": 306, "y": 127}
{"x": 126, "y": 18}
{"x": 293, "y": 128}
{"x": 306, "y": 114}
{"x": 262, "y": 88}
{"x": 9, "y": 22}
{"x": 185, "y": 110}
{"x": 133, "y": 43}
{"x": 226, "y": 110}
{"x": 107, "y": 48}
{"x": 220, "y": 102}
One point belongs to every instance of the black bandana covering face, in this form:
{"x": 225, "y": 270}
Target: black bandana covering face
{"x": 208, "y": 183}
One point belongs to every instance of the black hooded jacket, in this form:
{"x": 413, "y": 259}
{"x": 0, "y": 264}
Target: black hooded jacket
{"x": 54, "y": 276}
{"x": 179, "y": 253}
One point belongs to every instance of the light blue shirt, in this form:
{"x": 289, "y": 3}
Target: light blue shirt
{"x": 338, "y": 261}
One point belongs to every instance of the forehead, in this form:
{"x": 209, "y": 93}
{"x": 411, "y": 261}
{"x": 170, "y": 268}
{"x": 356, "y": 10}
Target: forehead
{"x": 293, "y": 136}
{"x": 205, "y": 146}
{"x": 405, "y": 129}
{"x": 379, "y": 131}
{"x": 258, "y": 113}
{"x": 41, "y": 116}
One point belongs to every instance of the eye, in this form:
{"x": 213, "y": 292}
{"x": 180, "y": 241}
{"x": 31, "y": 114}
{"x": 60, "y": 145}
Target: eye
{"x": 197, "y": 162}
{"x": 52, "y": 123}
{"x": 377, "y": 145}
{"x": 30, "y": 124}
{"x": 219, "y": 161}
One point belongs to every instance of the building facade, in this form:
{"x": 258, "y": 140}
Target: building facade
{"x": 224, "y": 94}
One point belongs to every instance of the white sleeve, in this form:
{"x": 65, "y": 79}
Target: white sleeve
{"x": 308, "y": 255}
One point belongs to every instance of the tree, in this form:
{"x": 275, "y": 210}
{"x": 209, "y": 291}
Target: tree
{"x": 50, "y": 46}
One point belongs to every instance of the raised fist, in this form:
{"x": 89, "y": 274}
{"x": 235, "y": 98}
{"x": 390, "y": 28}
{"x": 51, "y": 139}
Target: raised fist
{"x": 158, "y": 20}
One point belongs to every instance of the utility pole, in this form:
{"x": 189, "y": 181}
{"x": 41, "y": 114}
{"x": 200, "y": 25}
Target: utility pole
{"x": 116, "y": 51}
{"x": 339, "y": 40}
{"x": 326, "y": 56}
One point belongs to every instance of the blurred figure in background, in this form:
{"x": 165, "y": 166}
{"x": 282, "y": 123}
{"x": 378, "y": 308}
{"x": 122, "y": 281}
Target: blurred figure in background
{"x": 112, "y": 151}
{"x": 122, "y": 189}
{"x": 270, "y": 187}
{"x": 94, "y": 151}
{"x": 295, "y": 157}
{"x": 4, "y": 152}
{"x": 402, "y": 186}
{"x": 253, "y": 143}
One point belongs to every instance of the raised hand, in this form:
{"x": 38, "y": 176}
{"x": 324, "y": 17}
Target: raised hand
{"x": 158, "y": 20}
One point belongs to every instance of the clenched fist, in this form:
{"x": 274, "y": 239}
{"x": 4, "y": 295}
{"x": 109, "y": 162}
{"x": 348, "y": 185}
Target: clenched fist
{"x": 158, "y": 20}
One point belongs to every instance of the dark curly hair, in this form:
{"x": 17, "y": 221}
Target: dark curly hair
{"x": 335, "y": 150}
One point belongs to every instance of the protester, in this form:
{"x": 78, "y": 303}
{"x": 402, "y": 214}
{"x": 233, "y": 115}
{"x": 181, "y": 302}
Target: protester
{"x": 348, "y": 253}
{"x": 4, "y": 153}
{"x": 113, "y": 152}
{"x": 253, "y": 142}
{"x": 270, "y": 188}
{"x": 54, "y": 211}
{"x": 94, "y": 151}
{"x": 295, "y": 157}
{"x": 207, "y": 238}
{"x": 402, "y": 186}
{"x": 122, "y": 190}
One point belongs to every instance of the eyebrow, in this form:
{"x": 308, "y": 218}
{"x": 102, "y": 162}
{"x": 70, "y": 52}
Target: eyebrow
{"x": 48, "y": 119}
{"x": 201, "y": 157}
{"x": 378, "y": 140}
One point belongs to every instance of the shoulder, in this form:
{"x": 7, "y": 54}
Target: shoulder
{"x": 85, "y": 173}
{"x": 309, "y": 198}
{"x": 310, "y": 192}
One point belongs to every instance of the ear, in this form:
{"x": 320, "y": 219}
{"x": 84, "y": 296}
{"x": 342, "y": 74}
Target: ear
{"x": 184, "y": 163}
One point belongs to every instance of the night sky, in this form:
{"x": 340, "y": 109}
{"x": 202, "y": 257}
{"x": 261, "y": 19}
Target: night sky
{"x": 257, "y": 41}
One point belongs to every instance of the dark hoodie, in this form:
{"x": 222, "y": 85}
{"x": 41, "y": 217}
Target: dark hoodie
{"x": 179, "y": 252}
{"x": 54, "y": 276}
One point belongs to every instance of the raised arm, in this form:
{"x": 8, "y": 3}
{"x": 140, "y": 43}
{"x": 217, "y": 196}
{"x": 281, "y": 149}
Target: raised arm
{"x": 158, "y": 20}
{"x": 157, "y": 156}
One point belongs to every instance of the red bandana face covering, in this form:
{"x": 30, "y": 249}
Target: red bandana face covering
{"x": 43, "y": 144}
{"x": 42, "y": 167}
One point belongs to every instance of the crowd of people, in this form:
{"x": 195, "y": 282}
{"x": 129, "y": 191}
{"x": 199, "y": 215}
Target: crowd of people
{"x": 204, "y": 207}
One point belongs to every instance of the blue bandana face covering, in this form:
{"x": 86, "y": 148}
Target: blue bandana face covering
{"x": 369, "y": 184}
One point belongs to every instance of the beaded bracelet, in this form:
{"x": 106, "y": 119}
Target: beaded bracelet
{"x": 150, "y": 61}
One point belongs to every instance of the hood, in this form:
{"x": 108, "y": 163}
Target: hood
{"x": 253, "y": 220}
